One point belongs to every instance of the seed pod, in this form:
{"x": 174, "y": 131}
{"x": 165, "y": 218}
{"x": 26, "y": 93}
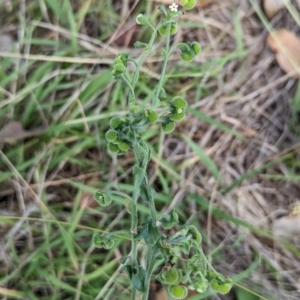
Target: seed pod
{"x": 116, "y": 122}
{"x": 151, "y": 115}
{"x": 186, "y": 56}
{"x": 111, "y": 135}
{"x": 168, "y": 126}
{"x": 224, "y": 288}
{"x": 189, "y": 50}
{"x": 172, "y": 276}
{"x": 113, "y": 148}
{"x": 214, "y": 285}
{"x": 102, "y": 198}
{"x": 196, "y": 47}
{"x": 178, "y": 291}
{"x": 188, "y": 4}
{"x": 123, "y": 146}
{"x": 176, "y": 117}
{"x": 163, "y": 29}
{"x": 179, "y": 102}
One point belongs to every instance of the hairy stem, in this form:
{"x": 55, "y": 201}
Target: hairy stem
{"x": 149, "y": 270}
{"x": 151, "y": 202}
{"x": 120, "y": 194}
{"x": 164, "y": 68}
{"x": 134, "y": 224}
{"x": 120, "y": 233}
{"x": 129, "y": 85}
{"x": 142, "y": 58}
{"x": 205, "y": 259}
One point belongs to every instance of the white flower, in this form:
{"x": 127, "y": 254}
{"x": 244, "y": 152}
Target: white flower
{"x": 173, "y": 7}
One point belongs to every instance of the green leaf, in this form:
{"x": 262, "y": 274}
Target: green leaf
{"x": 181, "y": 240}
{"x": 138, "y": 278}
{"x": 139, "y": 175}
{"x": 149, "y": 233}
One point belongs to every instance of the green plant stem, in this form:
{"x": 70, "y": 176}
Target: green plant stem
{"x": 133, "y": 293}
{"x": 134, "y": 222}
{"x": 134, "y": 215}
{"x": 129, "y": 85}
{"x": 149, "y": 270}
{"x": 119, "y": 233}
{"x": 164, "y": 68}
{"x": 119, "y": 194}
{"x": 142, "y": 58}
{"x": 151, "y": 202}
{"x": 205, "y": 259}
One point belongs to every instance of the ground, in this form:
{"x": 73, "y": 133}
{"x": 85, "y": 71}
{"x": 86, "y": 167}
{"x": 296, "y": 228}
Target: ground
{"x": 243, "y": 118}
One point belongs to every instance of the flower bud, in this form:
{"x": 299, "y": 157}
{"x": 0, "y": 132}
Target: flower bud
{"x": 188, "y": 4}
{"x": 168, "y": 126}
{"x": 162, "y": 94}
{"x": 123, "y": 146}
{"x": 151, "y": 115}
{"x": 162, "y": 9}
{"x": 111, "y": 135}
{"x": 136, "y": 111}
{"x": 178, "y": 291}
{"x": 118, "y": 60}
{"x": 118, "y": 69}
{"x": 142, "y": 20}
{"x": 171, "y": 276}
{"x": 102, "y": 198}
{"x": 139, "y": 45}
